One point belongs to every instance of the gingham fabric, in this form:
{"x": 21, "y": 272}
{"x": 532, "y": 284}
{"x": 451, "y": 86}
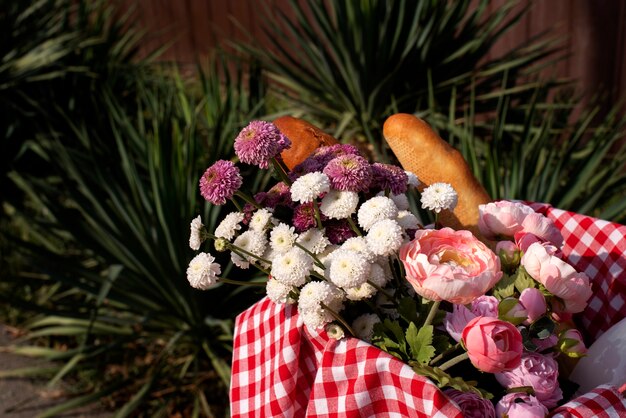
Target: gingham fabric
{"x": 280, "y": 369}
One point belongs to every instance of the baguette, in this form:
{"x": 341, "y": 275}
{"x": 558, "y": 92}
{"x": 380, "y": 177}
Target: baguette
{"x": 305, "y": 138}
{"x": 421, "y": 151}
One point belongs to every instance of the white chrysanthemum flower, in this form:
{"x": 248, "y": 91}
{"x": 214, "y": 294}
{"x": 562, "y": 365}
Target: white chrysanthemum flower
{"x": 325, "y": 257}
{"x": 363, "y": 326}
{"x": 229, "y": 226}
{"x": 282, "y": 238}
{"x": 314, "y": 296}
{"x": 364, "y": 291}
{"x": 348, "y": 269}
{"x": 260, "y": 219}
{"x": 313, "y": 240}
{"x": 401, "y": 200}
{"x": 359, "y": 244}
{"x": 376, "y": 209}
{"x": 251, "y": 241}
{"x": 195, "y": 235}
{"x": 269, "y": 255}
{"x": 378, "y": 275}
{"x": 438, "y": 197}
{"x": 407, "y": 220}
{"x": 339, "y": 204}
{"x": 413, "y": 180}
{"x": 309, "y": 187}
{"x": 292, "y": 267}
{"x": 335, "y": 331}
{"x": 278, "y": 292}
{"x": 384, "y": 237}
{"x": 202, "y": 271}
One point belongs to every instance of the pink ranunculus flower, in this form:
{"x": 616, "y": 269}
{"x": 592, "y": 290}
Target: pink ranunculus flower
{"x": 534, "y": 302}
{"x": 502, "y": 218}
{"x": 485, "y": 306}
{"x": 444, "y": 264}
{"x": 492, "y": 345}
{"x": 509, "y": 254}
{"x": 571, "y": 343}
{"x": 471, "y": 405}
{"x": 538, "y": 371}
{"x": 543, "y": 228}
{"x": 455, "y": 321}
{"x": 520, "y": 405}
{"x": 559, "y": 278}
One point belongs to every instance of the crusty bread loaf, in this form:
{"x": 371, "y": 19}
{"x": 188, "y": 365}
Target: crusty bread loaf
{"x": 305, "y": 138}
{"x": 421, "y": 151}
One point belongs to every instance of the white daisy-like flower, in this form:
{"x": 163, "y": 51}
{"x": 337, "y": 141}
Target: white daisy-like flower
{"x": 195, "y": 235}
{"x": 438, "y": 197}
{"x": 384, "y": 237}
{"x": 278, "y": 292}
{"x": 253, "y": 242}
{"x": 401, "y": 200}
{"x": 348, "y": 269}
{"x": 282, "y": 238}
{"x": 314, "y": 297}
{"x": 229, "y": 226}
{"x": 363, "y": 326}
{"x": 407, "y": 220}
{"x": 413, "y": 181}
{"x": 334, "y": 331}
{"x": 292, "y": 267}
{"x": 339, "y": 204}
{"x": 364, "y": 291}
{"x": 269, "y": 255}
{"x": 313, "y": 240}
{"x": 376, "y": 209}
{"x": 359, "y": 244}
{"x": 309, "y": 187}
{"x": 260, "y": 219}
{"x": 202, "y": 271}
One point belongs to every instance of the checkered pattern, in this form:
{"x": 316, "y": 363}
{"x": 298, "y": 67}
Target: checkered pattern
{"x": 282, "y": 369}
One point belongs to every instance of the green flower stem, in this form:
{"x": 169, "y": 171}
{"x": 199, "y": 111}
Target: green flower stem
{"x": 453, "y": 361}
{"x": 237, "y": 205}
{"x": 318, "y": 263}
{"x": 340, "y": 319}
{"x": 354, "y": 227}
{"x": 444, "y": 354}
{"x": 318, "y": 218}
{"x": 247, "y": 199}
{"x": 240, "y": 251}
{"x": 316, "y": 274}
{"x": 280, "y": 169}
{"x": 431, "y": 314}
{"x": 239, "y": 282}
{"x": 381, "y": 290}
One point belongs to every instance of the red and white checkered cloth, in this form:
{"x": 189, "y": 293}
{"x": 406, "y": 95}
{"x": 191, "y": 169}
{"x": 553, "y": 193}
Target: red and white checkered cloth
{"x": 281, "y": 369}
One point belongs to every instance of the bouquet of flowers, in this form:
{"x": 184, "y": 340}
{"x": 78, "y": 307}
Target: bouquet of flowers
{"x": 487, "y": 321}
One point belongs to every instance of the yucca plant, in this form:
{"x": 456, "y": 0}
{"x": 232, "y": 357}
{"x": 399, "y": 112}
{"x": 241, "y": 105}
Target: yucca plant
{"x": 350, "y": 64}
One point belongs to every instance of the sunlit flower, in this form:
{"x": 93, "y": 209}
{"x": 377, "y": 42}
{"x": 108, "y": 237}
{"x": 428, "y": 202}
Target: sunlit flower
{"x": 438, "y": 197}
{"x": 202, "y": 271}
{"x": 220, "y": 182}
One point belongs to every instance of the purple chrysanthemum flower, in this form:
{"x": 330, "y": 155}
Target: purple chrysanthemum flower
{"x": 309, "y": 165}
{"x": 220, "y": 182}
{"x": 259, "y": 142}
{"x": 324, "y": 155}
{"x": 279, "y": 194}
{"x": 349, "y": 173}
{"x": 304, "y": 217}
{"x": 338, "y": 231}
{"x": 389, "y": 177}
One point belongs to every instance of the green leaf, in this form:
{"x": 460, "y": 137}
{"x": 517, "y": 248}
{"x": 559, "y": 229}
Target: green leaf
{"x": 443, "y": 379}
{"x": 505, "y": 287}
{"x": 523, "y": 280}
{"x": 420, "y": 342}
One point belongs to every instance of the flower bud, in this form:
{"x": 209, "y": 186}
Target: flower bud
{"x": 535, "y": 303}
{"x": 221, "y": 244}
{"x": 509, "y": 254}
{"x": 571, "y": 343}
{"x": 511, "y": 310}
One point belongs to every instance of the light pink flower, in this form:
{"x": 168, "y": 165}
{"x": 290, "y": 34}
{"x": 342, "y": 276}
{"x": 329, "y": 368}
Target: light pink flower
{"x": 571, "y": 343}
{"x": 472, "y": 405}
{"x": 542, "y": 227}
{"x": 520, "y": 405}
{"x": 449, "y": 265}
{"x": 455, "y": 321}
{"x": 509, "y": 254}
{"x": 492, "y": 345}
{"x": 538, "y": 371}
{"x": 534, "y": 302}
{"x": 559, "y": 278}
{"x": 502, "y": 218}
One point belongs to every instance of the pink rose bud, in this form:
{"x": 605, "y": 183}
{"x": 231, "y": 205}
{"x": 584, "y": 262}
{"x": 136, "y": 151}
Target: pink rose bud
{"x": 471, "y": 405}
{"x": 520, "y": 405}
{"x": 511, "y": 310}
{"x": 571, "y": 343}
{"x": 538, "y": 371}
{"x": 485, "y": 306}
{"x": 502, "y": 218}
{"x": 455, "y": 321}
{"x": 509, "y": 254}
{"x": 534, "y": 302}
{"x": 492, "y": 345}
